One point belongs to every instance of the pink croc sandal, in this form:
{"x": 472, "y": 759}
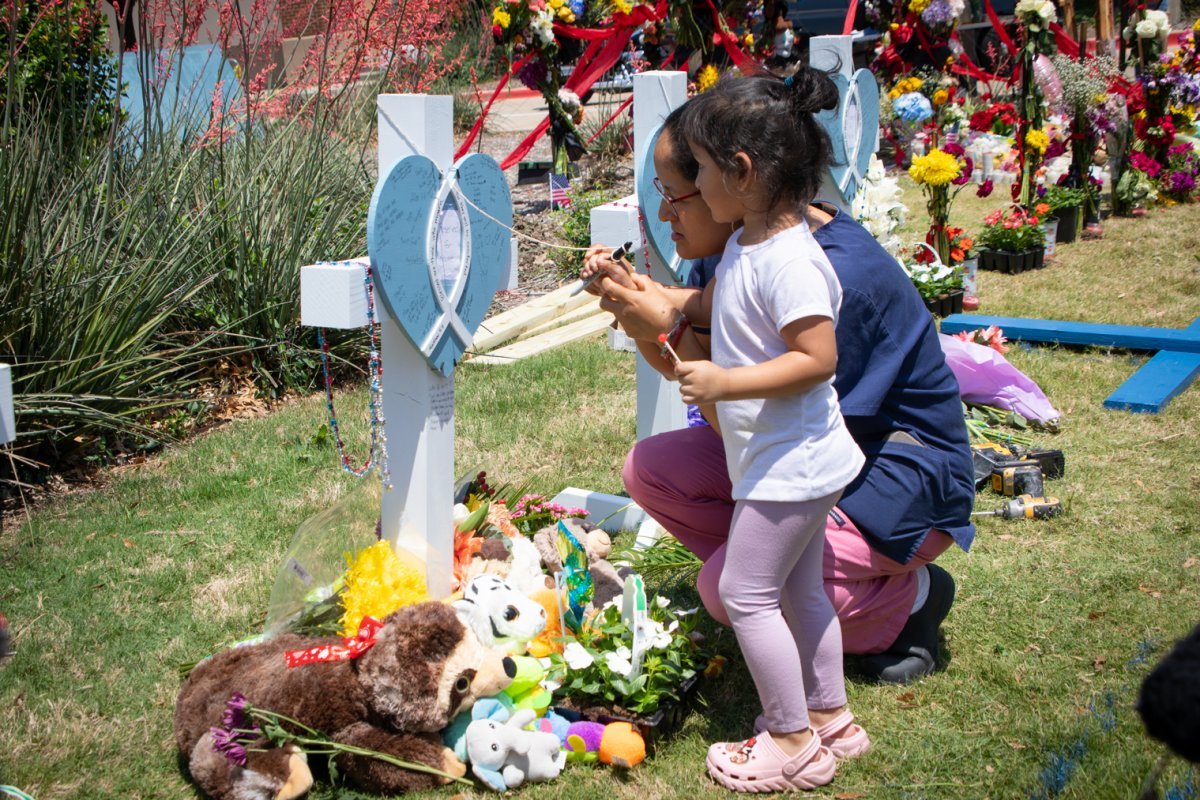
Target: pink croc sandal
{"x": 758, "y": 765}
{"x": 841, "y": 735}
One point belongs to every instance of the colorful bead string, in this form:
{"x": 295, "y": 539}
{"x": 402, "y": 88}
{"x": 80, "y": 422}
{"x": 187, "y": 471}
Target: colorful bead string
{"x": 375, "y": 401}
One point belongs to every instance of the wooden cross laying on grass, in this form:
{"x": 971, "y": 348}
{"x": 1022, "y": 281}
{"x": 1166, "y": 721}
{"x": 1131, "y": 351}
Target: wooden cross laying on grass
{"x": 1172, "y": 369}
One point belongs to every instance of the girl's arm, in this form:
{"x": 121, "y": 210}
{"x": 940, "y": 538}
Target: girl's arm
{"x": 811, "y": 359}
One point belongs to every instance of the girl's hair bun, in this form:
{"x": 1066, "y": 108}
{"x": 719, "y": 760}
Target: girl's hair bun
{"x": 812, "y": 91}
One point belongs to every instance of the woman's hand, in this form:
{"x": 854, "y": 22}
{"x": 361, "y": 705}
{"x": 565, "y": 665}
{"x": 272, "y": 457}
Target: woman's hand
{"x": 702, "y": 382}
{"x": 643, "y": 307}
{"x": 599, "y": 259}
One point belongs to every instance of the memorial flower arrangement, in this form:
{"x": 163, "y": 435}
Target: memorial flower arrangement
{"x": 941, "y": 174}
{"x": 999, "y": 118}
{"x": 913, "y": 31}
{"x": 541, "y": 37}
{"x": 598, "y": 666}
{"x": 1013, "y": 230}
{"x": 932, "y": 279}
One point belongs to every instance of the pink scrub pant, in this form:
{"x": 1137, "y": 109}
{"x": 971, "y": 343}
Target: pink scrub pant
{"x": 680, "y": 479}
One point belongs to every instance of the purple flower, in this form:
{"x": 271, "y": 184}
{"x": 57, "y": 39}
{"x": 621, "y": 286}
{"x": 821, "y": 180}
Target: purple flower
{"x": 533, "y": 74}
{"x": 937, "y": 14}
{"x": 964, "y": 174}
{"x": 228, "y": 744}
{"x": 1177, "y": 149}
{"x": 1179, "y": 183}
{"x": 235, "y": 717}
{"x": 985, "y": 188}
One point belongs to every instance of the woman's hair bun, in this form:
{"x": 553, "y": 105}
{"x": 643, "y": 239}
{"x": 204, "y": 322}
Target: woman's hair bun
{"x": 812, "y": 91}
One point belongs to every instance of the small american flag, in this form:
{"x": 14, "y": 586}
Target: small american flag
{"x": 559, "y": 185}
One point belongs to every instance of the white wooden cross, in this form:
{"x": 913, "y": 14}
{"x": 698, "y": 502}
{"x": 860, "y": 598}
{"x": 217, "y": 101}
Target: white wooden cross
{"x": 440, "y": 243}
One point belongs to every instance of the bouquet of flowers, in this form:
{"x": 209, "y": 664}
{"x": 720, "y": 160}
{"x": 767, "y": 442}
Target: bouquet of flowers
{"x": 936, "y": 172}
{"x": 1013, "y": 229}
{"x": 998, "y": 118}
{"x": 1147, "y": 33}
{"x": 1178, "y": 178}
{"x": 932, "y": 279}
{"x": 539, "y": 35}
{"x": 598, "y": 666}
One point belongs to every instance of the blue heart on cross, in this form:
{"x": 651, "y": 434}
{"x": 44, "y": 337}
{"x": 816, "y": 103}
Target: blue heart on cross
{"x": 853, "y": 128}
{"x": 439, "y": 246}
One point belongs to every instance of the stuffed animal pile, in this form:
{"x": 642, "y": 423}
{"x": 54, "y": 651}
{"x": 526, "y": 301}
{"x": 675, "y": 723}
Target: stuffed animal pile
{"x": 423, "y": 669}
{"x": 440, "y": 684}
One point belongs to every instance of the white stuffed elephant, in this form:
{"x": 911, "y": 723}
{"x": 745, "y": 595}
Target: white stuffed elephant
{"x": 505, "y": 755}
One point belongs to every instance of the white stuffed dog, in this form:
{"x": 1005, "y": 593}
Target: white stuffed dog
{"x": 502, "y": 618}
{"x": 505, "y": 755}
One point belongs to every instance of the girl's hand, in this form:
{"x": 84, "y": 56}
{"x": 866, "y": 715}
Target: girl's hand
{"x": 702, "y": 382}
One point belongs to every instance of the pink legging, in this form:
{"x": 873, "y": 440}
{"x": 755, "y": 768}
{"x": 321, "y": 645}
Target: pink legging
{"x": 680, "y": 479}
{"x": 771, "y": 588}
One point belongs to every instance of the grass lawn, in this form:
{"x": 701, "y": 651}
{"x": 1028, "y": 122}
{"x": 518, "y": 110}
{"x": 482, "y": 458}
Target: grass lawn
{"x": 1056, "y": 622}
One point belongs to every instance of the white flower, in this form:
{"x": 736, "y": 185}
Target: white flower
{"x": 542, "y": 26}
{"x": 624, "y": 652}
{"x": 687, "y": 612}
{"x": 570, "y": 101}
{"x": 1147, "y": 29}
{"x": 662, "y": 602}
{"x": 459, "y": 513}
{"x": 660, "y": 637}
{"x": 619, "y": 664}
{"x": 1161, "y": 21}
{"x": 577, "y": 657}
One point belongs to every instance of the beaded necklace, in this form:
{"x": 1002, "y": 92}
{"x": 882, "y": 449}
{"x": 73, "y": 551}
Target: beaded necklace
{"x": 375, "y": 369}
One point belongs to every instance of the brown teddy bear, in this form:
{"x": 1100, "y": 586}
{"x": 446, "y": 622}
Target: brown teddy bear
{"x": 424, "y": 667}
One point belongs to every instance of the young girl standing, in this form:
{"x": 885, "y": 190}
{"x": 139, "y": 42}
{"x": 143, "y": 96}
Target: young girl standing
{"x": 775, "y": 301}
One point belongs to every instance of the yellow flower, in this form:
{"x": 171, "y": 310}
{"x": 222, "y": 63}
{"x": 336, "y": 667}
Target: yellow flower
{"x": 934, "y": 169}
{"x": 940, "y": 97}
{"x": 502, "y": 18}
{"x": 917, "y": 6}
{"x": 748, "y": 40}
{"x": 706, "y": 77}
{"x": 555, "y": 5}
{"x": 622, "y": 6}
{"x": 1037, "y": 141}
{"x": 379, "y": 581}
{"x": 565, "y": 12}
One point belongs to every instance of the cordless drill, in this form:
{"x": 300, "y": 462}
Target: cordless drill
{"x": 1026, "y": 506}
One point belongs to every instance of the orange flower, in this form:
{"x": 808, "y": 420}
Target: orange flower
{"x": 1041, "y": 208}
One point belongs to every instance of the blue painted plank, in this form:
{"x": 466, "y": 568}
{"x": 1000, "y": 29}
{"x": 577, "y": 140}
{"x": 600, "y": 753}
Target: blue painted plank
{"x": 1130, "y": 337}
{"x": 1158, "y": 382}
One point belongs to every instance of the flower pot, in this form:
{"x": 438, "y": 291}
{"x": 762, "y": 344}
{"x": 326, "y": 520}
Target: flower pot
{"x": 1050, "y": 226}
{"x": 956, "y": 301}
{"x": 1005, "y": 261}
{"x": 1068, "y": 224}
{"x": 945, "y": 304}
{"x": 1039, "y": 258}
{"x": 653, "y": 728}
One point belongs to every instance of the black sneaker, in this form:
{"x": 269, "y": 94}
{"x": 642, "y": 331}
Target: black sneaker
{"x": 914, "y": 653}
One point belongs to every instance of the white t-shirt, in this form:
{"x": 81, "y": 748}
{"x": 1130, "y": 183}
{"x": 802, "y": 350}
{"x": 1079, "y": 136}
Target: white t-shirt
{"x": 785, "y": 449}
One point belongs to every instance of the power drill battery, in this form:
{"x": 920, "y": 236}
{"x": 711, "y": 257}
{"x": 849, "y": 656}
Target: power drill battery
{"x": 1018, "y": 477}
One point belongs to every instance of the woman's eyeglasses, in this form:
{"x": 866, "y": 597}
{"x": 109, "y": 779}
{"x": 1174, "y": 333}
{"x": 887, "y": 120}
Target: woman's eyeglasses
{"x": 671, "y": 201}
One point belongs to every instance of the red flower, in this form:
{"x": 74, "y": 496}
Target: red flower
{"x": 982, "y": 121}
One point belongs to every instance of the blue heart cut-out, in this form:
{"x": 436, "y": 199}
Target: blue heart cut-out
{"x": 438, "y": 247}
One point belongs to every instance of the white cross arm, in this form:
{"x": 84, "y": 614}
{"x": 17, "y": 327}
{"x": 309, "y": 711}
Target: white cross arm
{"x": 333, "y": 295}
{"x": 8, "y": 424}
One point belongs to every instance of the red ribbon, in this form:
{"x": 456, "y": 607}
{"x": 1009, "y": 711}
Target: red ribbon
{"x": 729, "y": 42}
{"x": 1000, "y": 31}
{"x": 848, "y": 25}
{"x": 351, "y": 647}
{"x": 609, "y": 121}
{"x": 1066, "y": 45}
{"x": 478, "y": 126}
